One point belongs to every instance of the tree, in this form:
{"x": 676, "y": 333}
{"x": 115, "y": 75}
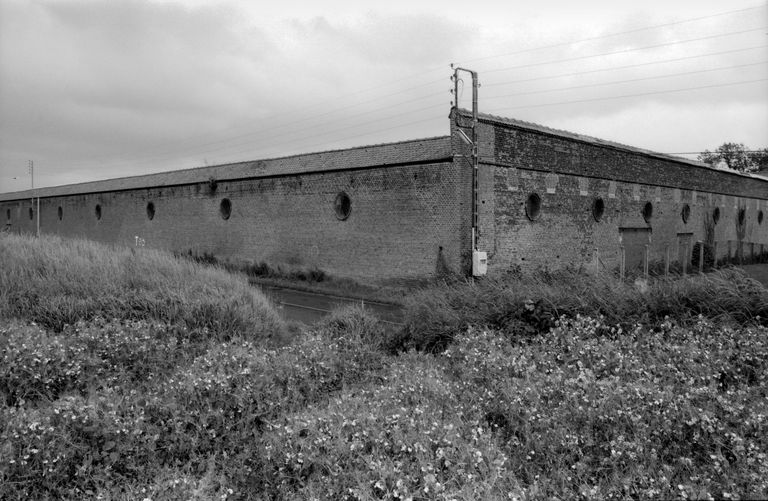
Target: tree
{"x": 737, "y": 157}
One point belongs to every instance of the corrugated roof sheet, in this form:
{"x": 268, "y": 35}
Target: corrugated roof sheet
{"x": 417, "y": 150}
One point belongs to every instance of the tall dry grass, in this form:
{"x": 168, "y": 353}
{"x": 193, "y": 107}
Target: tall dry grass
{"x": 527, "y": 304}
{"x": 55, "y": 282}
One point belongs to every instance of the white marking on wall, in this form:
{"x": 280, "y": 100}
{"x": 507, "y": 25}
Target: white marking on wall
{"x": 512, "y": 179}
{"x": 551, "y": 182}
{"x": 693, "y": 196}
{"x": 583, "y": 186}
{"x": 612, "y": 189}
{"x": 722, "y": 201}
{"x": 636, "y": 192}
{"x": 658, "y": 194}
{"x": 676, "y": 195}
{"x": 709, "y": 198}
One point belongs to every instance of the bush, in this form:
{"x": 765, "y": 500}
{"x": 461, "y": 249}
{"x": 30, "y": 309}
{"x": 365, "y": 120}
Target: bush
{"x": 639, "y": 414}
{"x": 57, "y": 282}
{"x": 36, "y": 365}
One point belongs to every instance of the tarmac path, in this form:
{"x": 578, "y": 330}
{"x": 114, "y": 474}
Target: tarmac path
{"x": 309, "y": 307}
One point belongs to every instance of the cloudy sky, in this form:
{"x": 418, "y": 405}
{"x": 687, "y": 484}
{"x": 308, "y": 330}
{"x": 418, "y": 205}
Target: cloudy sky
{"x": 99, "y": 89}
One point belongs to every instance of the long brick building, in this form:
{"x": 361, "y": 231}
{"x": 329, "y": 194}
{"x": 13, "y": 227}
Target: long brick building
{"x": 529, "y": 196}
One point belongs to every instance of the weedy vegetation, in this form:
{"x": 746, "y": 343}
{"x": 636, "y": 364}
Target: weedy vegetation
{"x": 527, "y": 387}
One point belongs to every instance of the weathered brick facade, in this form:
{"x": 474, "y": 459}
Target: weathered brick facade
{"x": 570, "y": 172}
{"x": 410, "y": 206}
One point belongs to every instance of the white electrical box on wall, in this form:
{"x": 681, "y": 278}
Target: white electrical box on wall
{"x": 479, "y": 263}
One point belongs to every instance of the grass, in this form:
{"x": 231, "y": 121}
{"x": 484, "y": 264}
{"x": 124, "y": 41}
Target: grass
{"x": 56, "y": 282}
{"x": 543, "y": 387}
{"x": 530, "y": 304}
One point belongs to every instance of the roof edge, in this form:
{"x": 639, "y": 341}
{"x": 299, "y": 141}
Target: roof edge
{"x": 542, "y": 129}
{"x": 95, "y": 186}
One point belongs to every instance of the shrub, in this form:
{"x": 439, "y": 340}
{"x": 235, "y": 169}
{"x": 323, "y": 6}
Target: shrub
{"x": 638, "y": 413}
{"x": 36, "y": 365}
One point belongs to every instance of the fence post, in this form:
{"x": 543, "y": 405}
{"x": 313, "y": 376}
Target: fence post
{"x": 622, "y": 262}
{"x": 666, "y": 260}
{"x": 701, "y": 256}
{"x": 740, "y": 250}
{"x": 646, "y": 258}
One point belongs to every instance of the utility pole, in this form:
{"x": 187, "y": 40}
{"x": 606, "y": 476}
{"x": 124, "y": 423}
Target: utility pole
{"x": 31, "y": 165}
{"x": 479, "y": 259}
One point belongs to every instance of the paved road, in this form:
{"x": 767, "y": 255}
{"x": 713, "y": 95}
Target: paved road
{"x": 309, "y": 307}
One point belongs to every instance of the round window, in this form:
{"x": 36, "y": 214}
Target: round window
{"x": 598, "y": 209}
{"x": 225, "y": 209}
{"x": 648, "y": 212}
{"x": 685, "y": 213}
{"x": 150, "y": 211}
{"x": 98, "y": 211}
{"x": 342, "y": 206}
{"x": 533, "y": 206}
{"x": 716, "y": 215}
{"x": 60, "y": 213}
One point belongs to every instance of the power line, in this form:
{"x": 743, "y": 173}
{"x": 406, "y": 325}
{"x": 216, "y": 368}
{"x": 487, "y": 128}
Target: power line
{"x": 624, "y": 51}
{"x": 229, "y": 141}
{"x": 708, "y": 151}
{"x": 615, "y": 82}
{"x": 610, "y": 35}
{"x": 633, "y": 95}
{"x": 627, "y": 66}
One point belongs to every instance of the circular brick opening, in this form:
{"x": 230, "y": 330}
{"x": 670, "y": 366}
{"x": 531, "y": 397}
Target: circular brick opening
{"x": 716, "y": 215}
{"x": 60, "y": 213}
{"x": 598, "y": 209}
{"x": 533, "y": 206}
{"x": 150, "y": 211}
{"x": 225, "y": 209}
{"x": 342, "y": 206}
{"x": 685, "y": 213}
{"x": 648, "y": 212}
{"x": 98, "y": 211}
{"x": 742, "y": 216}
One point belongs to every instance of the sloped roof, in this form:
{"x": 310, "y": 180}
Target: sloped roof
{"x": 403, "y": 152}
{"x": 521, "y": 124}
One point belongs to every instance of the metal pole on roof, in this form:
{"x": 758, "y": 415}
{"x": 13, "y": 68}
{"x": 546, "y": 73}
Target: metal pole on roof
{"x": 474, "y": 145}
{"x": 32, "y": 175}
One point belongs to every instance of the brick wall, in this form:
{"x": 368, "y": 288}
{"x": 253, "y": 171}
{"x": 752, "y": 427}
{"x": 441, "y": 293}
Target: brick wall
{"x": 411, "y": 206}
{"x": 404, "y": 222}
{"x": 569, "y": 173}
